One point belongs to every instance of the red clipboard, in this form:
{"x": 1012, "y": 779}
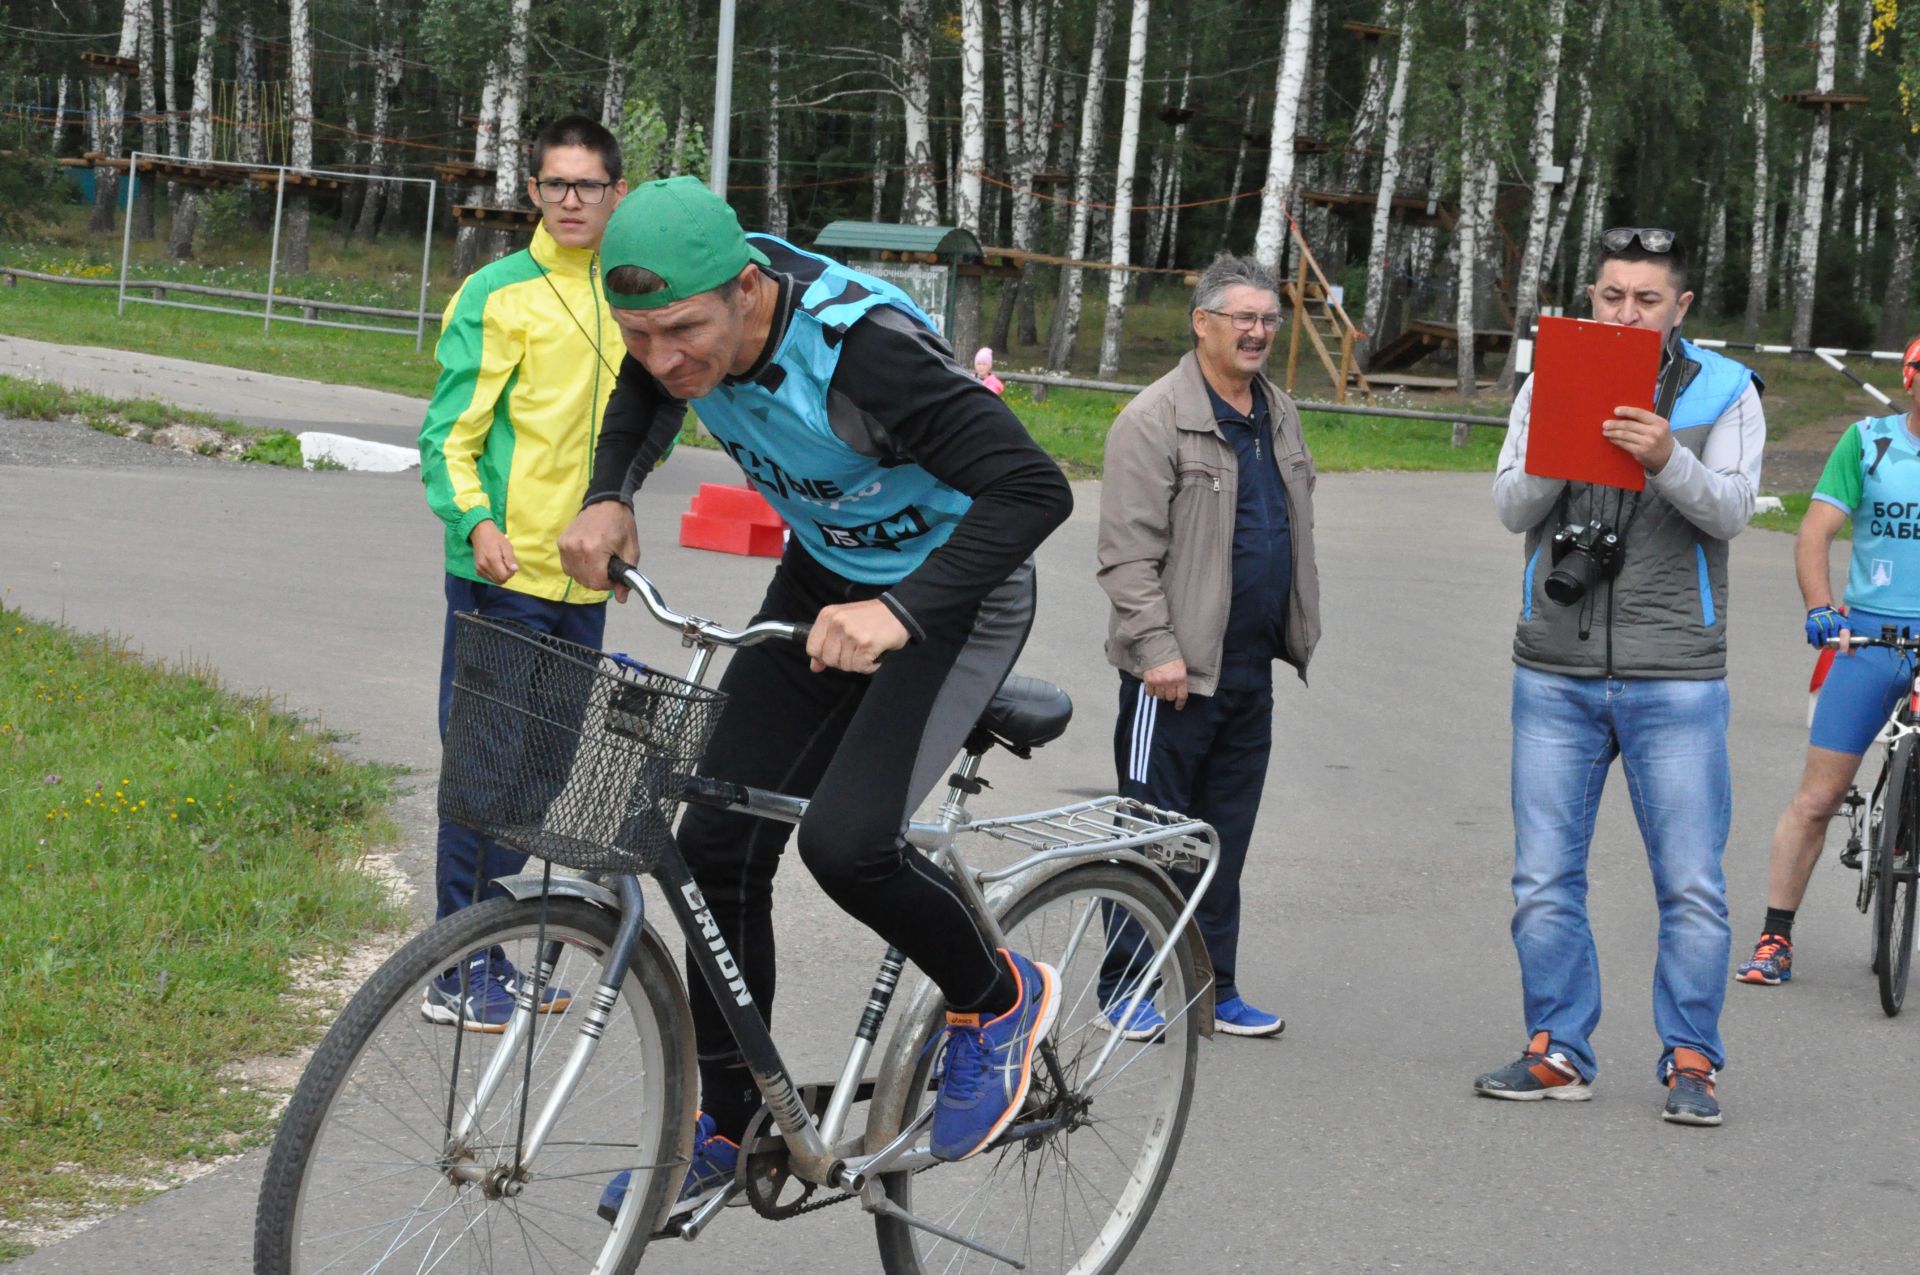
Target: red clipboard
{"x": 1582, "y": 370}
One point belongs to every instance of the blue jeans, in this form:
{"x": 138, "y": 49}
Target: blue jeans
{"x": 1671, "y": 738}
{"x": 467, "y": 863}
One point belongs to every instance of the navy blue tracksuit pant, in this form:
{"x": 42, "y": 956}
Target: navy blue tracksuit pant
{"x": 467, "y": 860}
{"x": 1209, "y": 761}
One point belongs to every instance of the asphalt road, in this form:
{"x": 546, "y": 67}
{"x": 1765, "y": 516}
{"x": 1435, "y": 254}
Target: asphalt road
{"x": 1376, "y": 897}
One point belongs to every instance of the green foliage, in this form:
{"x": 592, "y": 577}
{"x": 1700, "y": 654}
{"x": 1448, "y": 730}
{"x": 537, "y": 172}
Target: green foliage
{"x": 32, "y": 187}
{"x": 172, "y": 849}
{"x": 647, "y": 149}
{"x": 276, "y": 448}
{"x": 226, "y": 219}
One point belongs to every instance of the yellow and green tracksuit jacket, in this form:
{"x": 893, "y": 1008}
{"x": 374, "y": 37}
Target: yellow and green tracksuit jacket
{"x": 528, "y": 351}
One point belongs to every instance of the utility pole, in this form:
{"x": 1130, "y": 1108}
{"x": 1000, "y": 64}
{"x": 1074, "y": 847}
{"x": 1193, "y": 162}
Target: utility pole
{"x": 722, "y": 100}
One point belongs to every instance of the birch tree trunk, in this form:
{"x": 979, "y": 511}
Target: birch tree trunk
{"x": 969, "y": 164}
{"x": 1807, "y": 259}
{"x": 1161, "y": 224}
{"x": 776, "y": 194}
{"x": 1707, "y": 302}
{"x": 170, "y": 100}
{"x": 882, "y": 123}
{"x": 1466, "y": 232}
{"x": 1577, "y": 159}
{"x": 1894, "y": 332}
{"x": 249, "y": 146}
{"x": 1526, "y": 289}
{"x": 293, "y": 241}
{"x": 919, "y": 205}
{"x": 1037, "y": 80}
{"x": 1379, "y": 249}
{"x": 466, "y": 241}
{"x": 1066, "y": 308}
{"x": 59, "y": 114}
{"x": 143, "y": 189}
{"x": 509, "y": 175}
{"x": 973, "y": 113}
{"x": 613, "y": 93}
{"x": 1120, "y": 249}
{"x": 1286, "y": 110}
{"x": 386, "y": 78}
{"x": 1590, "y": 228}
{"x": 186, "y": 217}
{"x": 1757, "y": 117}
{"x": 1239, "y": 171}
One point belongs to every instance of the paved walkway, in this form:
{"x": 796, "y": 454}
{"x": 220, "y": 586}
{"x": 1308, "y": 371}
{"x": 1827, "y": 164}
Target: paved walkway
{"x": 1376, "y": 896}
{"x": 255, "y": 398}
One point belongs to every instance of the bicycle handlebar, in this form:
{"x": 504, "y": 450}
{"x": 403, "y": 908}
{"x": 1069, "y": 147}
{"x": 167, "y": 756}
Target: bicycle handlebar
{"x": 1898, "y": 642}
{"x": 693, "y": 629}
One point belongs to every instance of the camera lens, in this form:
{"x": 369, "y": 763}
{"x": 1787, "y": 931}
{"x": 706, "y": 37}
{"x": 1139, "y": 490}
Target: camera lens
{"x": 1569, "y": 581}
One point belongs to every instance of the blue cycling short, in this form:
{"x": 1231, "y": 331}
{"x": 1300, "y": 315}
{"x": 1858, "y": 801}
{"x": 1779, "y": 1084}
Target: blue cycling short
{"x": 1861, "y": 688}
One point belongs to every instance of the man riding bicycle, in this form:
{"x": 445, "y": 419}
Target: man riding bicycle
{"x": 1872, "y": 479}
{"x": 915, "y": 499}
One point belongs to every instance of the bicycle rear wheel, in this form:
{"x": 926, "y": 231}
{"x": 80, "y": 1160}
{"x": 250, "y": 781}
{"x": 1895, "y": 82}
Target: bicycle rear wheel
{"x": 1076, "y": 1198}
{"x": 365, "y": 1174}
{"x": 1894, "y": 856}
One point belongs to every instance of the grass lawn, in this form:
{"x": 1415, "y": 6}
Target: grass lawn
{"x": 171, "y": 851}
{"x": 26, "y": 399}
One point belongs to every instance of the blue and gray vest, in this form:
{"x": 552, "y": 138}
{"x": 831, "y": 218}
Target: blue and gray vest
{"x": 1665, "y": 614}
{"x": 857, "y": 505}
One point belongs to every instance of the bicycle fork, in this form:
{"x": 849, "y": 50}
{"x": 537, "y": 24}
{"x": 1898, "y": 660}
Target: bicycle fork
{"x": 515, "y": 1047}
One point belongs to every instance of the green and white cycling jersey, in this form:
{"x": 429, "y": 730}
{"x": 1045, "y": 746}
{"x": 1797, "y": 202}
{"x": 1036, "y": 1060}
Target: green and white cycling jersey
{"x": 1873, "y": 476}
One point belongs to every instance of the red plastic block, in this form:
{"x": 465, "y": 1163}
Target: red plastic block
{"x": 697, "y": 531}
{"x": 737, "y": 504}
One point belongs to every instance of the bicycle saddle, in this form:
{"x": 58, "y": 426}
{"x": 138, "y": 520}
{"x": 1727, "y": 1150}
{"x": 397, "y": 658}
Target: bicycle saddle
{"x": 1026, "y": 713}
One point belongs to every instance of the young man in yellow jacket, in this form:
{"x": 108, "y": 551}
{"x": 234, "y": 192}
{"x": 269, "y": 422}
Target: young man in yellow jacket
{"x": 528, "y": 353}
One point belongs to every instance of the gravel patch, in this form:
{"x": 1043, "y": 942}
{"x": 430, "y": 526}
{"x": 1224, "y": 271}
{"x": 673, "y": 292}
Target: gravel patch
{"x": 61, "y": 443}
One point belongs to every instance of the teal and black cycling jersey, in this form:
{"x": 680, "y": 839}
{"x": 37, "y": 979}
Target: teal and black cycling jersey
{"x": 1874, "y": 476}
{"x": 893, "y": 466}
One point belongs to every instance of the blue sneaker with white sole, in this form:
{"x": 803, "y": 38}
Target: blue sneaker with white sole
{"x": 1145, "y": 1023}
{"x": 1237, "y": 1018}
{"x": 988, "y": 1065}
{"x": 714, "y": 1160}
{"x": 490, "y": 984}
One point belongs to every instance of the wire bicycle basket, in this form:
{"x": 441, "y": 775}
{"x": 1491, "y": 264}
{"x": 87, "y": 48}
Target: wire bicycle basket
{"x": 565, "y": 753}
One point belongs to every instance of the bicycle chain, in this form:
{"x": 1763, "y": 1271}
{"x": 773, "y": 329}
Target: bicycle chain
{"x": 752, "y": 1183}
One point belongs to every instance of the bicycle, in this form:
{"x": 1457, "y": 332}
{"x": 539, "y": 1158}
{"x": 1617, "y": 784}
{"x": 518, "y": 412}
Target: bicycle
{"x": 411, "y": 1145}
{"x": 1892, "y": 820}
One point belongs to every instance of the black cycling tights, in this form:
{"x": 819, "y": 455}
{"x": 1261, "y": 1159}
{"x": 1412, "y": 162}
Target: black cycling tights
{"x": 866, "y": 751}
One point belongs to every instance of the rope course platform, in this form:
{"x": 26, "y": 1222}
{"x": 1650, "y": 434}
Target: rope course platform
{"x": 1415, "y": 210}
{"x": 495, "y": 218}
{"x": 1812, "y": 100}
{"x": 459, "y": 174}
{"x": 111, "y": 63}
{"x": 269, "y": 179}
{"x": 188, "y": 173}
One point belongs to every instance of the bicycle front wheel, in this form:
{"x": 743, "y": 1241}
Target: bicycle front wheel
{"x": 1894, "y": 868}
{"x": 399, "y": 1149}
{"x": 1075, "y": 1197}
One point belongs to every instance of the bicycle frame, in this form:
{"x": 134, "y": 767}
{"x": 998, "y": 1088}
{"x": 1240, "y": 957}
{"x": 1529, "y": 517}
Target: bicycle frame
{"x": 1085, "y": 831}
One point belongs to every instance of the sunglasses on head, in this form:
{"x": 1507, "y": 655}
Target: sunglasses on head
{"x": 1651, "y": 238}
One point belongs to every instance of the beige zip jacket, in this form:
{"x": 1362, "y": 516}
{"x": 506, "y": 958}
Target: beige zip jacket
{"x": 1167, "y": 508}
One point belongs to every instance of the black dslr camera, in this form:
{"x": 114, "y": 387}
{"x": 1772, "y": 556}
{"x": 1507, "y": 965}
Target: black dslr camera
{"x": 1583, "y": 556}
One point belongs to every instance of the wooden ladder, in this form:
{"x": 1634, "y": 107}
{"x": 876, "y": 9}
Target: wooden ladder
{"x": 1314, "y": 308}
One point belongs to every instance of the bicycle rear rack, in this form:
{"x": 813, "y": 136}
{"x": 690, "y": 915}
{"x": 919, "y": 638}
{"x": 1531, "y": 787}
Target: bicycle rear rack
{"x": 1101, "y": 826}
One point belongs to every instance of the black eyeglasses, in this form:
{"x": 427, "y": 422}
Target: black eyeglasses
{"x": 554, "y": 191}
{"x": 1651, "y": 238}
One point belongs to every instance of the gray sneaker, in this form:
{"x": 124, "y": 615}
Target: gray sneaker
{"x": 1690, "y": 1097}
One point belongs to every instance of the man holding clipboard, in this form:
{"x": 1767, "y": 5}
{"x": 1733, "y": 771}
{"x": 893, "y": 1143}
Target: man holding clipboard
{"x": 1640, "y": 463}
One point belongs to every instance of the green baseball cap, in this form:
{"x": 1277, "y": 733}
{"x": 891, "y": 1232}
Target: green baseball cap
{"x": 679, "y": 230}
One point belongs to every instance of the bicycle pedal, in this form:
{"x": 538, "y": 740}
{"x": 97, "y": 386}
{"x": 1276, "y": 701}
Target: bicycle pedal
{"x": 1850, "y": 858}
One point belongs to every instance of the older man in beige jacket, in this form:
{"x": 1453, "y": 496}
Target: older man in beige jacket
{"x": 1206, "y": 553}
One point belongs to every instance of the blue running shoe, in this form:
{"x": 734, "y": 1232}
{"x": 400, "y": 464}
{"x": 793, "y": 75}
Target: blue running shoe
{"x": 1772, "y": 963}
{"x": 1146, "y": 1022}
{"x": 490, "y": 985}
{"x": 989, "y": 1065}
{"x": 714, "y": 1160}
{"x": 1237, "y": 1018}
